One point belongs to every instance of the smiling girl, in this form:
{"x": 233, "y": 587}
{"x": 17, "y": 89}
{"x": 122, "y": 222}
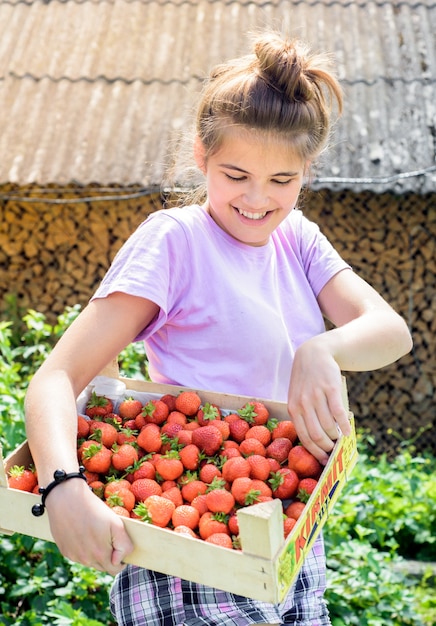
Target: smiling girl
{"x": 228, "y": 295}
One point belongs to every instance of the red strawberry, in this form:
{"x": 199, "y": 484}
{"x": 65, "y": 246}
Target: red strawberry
{"x": 21, "y": 478}
{"x": 170, "y": 401}
{"x": 129, "y": 408}
{"x": 306, "y": 487}
{"x": 188, "y": 402}
{"x": 259, "y": 467}
{"x": 82, "y": 427}
{"x": 190, "y": 456}
{"x": 254, "y": 413}
{"x": 169, "y": 466}
{"x": 209, "y": 524}
{"x": 238, "y": 429}
{"x": 244, "y": 492}
{"x": 192, "y": 489}
{"x": 235, "y": 467}
{"x": 260, "y": 432}
{"x": 145, "y": 487}
{"x": 304, "y": 463}
{"x": 220, "y": 501}
{"x": 156, "y": 510}
{"x": 97, "y": 458}
{"x": 155, "y": 412}
{"x": 185, "y": 515}
{"x": 288, "y": 525}
{"x": 149, "y": 438}
{"x": 174, "y": 494}
{"x": 123, "y": 497}
{"x": 209, "y": 412}
{"x": 208, "y": 472}
{"x": 124, "y": 456}
{"x": 113, "y": 486}
{"x": 279, "y": 449}
{"x": 208, "y": 438}
{"x": 252, "y": 446}
{"x": 102, "y": 432}
{"x": 284, "y": 483}
{"x": 285, "y": 428}
{"x": 98, "y": 406}
{"x": 220, "y": 539}
{"x": 295, "y": 509}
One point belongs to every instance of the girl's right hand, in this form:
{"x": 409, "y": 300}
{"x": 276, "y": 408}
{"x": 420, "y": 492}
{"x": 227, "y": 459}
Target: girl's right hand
{"x": 85, "y": 529}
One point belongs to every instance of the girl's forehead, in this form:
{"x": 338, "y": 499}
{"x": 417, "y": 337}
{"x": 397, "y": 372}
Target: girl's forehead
{"x": 251, "y": 144}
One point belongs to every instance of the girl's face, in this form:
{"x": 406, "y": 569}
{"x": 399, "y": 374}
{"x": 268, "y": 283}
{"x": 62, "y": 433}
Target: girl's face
{"x": 253, "y": 183}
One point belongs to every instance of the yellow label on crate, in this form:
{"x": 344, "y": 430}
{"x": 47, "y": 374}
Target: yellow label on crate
{"x": 317, "y": 510}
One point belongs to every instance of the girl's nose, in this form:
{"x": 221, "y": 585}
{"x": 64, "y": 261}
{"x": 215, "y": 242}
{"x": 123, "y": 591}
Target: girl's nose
{"x": 255, "y": 197}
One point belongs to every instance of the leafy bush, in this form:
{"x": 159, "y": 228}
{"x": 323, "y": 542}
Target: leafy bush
{"x": 386, "y": 512}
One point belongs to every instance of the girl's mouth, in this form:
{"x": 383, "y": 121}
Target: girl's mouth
{"x": 252, "y": 216}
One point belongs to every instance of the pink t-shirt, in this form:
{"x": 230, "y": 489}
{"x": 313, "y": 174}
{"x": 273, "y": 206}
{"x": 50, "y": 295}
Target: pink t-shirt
{"x": 231, "y": 315}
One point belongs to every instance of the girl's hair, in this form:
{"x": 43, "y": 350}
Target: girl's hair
{"x": 281, "y": 88}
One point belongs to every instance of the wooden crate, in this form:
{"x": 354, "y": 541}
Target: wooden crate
{"x": 267, "y": 565}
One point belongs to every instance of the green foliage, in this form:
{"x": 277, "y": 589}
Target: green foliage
{"x": 386, "y": 513}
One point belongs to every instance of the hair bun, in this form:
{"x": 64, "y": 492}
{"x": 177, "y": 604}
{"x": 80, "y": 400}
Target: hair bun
{"x": 284, "y": 64}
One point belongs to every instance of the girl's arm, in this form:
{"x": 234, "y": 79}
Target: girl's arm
{"x": 369, "y": 334}
{"x": 84, "y": 528}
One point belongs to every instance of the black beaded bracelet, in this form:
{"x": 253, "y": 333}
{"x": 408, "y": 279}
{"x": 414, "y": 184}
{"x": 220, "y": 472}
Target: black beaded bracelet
{"x": 60, "y": 476}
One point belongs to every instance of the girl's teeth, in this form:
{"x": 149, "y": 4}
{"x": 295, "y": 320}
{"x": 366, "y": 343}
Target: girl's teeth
{"x": 252, "y": 216}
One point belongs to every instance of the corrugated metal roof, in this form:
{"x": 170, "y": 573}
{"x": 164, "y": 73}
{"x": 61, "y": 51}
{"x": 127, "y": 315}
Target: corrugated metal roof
{"x": 91, "y": 91}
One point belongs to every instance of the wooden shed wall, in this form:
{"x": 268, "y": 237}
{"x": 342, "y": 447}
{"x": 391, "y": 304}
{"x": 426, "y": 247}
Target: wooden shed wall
{"x": 54, "y": 254}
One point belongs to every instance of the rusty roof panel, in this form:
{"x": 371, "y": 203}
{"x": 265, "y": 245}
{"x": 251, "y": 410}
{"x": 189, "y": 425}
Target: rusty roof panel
{"x": 91, "y": 91}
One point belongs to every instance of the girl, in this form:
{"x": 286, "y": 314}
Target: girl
{"x": 228, "y": 295}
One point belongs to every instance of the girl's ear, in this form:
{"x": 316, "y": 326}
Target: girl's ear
{"x": 200, "y": 154}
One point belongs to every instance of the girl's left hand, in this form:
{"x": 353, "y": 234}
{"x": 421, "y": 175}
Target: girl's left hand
{"x": 315, "y": 401}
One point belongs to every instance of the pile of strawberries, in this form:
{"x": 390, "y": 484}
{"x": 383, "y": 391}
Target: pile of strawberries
{"x": 180, "y": 464}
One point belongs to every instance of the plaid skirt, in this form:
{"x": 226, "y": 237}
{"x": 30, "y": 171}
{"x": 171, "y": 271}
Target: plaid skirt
{"x": 141, "y": 597}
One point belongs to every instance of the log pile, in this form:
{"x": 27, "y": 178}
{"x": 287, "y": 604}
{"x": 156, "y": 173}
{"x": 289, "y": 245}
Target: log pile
{"x": 53, "y": 255}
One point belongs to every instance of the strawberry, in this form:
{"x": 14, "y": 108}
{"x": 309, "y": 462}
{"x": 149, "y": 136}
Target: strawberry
{"x": 306, "y": 487}
{"x": 22, "y": 478}
{"x": 98, "y": 406}
{"x": 177, "y": 417}
{"x": 184, "y": 437}
{"x": 170, "y": 400}
{"x": 254, "y": 413}
{"x": 193, "y": 488}
{"x": 97, "y": 458}
{"x": 208, "y": 472}
{"x": 113, "y": 486}
{"x": 279, "y": 449}
{"x": 126, "y": 435}
{"x": 260, "y": 432}
{"x": 169, "y": 466}
{"x": 145, "y": 487}
{"x": 190, "y": 456}
{"x": 155, "y": 412}
{"x": 121, "y": 511}
{"x": 259, "y": 467}
{"x": 208, "y": 438}
{"x": 252, "y": 446}
{"x": 82, "y": 427}
{"x": 233, "y": 524}
{"x": 156, "y": 510}
{"x": 199, "y": 503}
{"x": 284, "y": 483}
{"x": 211, "y": 523}
{"x": 288, "y": 525}
{"x": 143, "y": 469}
{"x": 124, "y": 456}
{"x": 304, "y": 463}
{"x": 174, "y": 494}
{"x": 185, "y": 515}
{"x": 228, "y": 453}
{"x": 295, "y": 509}
{"x": 129, "y": 408}
{"x": 188, "y": 402}
{"x": 97, "y": 487}
{"x": 171, "y": 429}
{"x": 220, "y": 501}
{"x": 238, "y": 429}
{"x": 149, "y": 438}
{"x": 185, "y": 530}
{"x": 102, "y": 432}
{"x": 209, "y": 412}
{"x": 236, "y": 467}
{"x": 261, "y": 485}
{"x": 220, "y": 539}
{"x": 222, "y": 426}
{"x": 123, "y": 497}
{"x": 286, "y": 429}
{"x": 243, "y": 492}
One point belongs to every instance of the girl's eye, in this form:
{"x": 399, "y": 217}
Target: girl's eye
{"x": 282, "y": 182}
{"x": 235, "y": 178}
